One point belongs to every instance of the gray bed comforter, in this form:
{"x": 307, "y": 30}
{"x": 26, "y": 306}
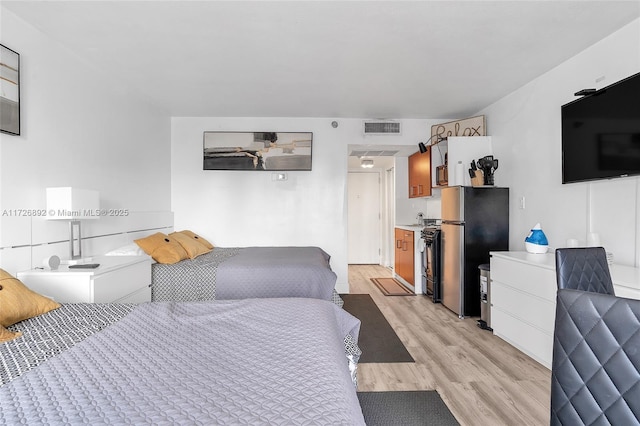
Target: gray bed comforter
{"x": 257, "y": 361}
{"x": 251, "y": 272}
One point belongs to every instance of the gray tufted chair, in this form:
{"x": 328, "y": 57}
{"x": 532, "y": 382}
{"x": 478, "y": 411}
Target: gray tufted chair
{"x": 583, "y": 268}
{"x": 595, "y": 375}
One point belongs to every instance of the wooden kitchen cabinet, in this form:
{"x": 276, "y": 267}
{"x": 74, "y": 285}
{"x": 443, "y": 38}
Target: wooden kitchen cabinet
{"x": 404, "y": 259}
{"x": 420, "y": 174}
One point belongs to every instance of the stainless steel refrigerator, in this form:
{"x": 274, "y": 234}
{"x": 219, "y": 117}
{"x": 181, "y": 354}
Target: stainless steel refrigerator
{"x": 475, "y": 221}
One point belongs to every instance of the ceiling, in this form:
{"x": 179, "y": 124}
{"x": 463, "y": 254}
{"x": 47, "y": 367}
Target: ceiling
{"x": 360, "y": 59}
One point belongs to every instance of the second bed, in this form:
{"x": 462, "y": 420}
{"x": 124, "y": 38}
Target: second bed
{"x": 248, "y": 272}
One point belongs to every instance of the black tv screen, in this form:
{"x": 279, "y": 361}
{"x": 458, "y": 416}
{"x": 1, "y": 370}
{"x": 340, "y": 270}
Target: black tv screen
{"x": 601, "y": 133}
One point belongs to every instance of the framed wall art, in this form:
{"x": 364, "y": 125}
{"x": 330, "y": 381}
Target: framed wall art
{"x": 9, "y": 91}
{"x": 263, "y": 151}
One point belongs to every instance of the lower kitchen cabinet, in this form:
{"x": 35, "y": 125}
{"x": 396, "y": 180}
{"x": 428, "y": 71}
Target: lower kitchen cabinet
{"x": 404, "y": 255}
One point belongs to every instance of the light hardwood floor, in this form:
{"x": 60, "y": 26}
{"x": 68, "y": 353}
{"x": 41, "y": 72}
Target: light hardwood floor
{"x": 482, "y": 379}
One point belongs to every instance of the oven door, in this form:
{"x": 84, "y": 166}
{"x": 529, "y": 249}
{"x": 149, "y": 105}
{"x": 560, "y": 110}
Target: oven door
{"x": 431, "y": 265}
{"x": 427, "y": 267}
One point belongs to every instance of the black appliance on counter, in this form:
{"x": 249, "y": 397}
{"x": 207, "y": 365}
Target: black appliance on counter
{"x": 431, "y": 263}
{"x": 475, "y": 221}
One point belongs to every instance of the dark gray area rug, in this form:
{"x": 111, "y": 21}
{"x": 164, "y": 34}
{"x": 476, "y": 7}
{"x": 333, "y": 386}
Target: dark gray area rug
{"x": 412, "y": 408}
{"x": 378, "y": 341}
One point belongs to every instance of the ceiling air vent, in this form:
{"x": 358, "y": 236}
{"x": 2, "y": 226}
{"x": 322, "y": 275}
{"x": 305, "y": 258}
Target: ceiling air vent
{"x": 381, "y": 127}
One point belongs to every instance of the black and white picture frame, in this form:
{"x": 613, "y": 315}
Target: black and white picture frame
{"x": 9, "y": 91}
{"x": 261, "y": 151}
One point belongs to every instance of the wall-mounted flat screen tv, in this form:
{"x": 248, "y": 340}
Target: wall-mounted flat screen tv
{"x": 601, "y": 133}
{"x": 274, "y": 151}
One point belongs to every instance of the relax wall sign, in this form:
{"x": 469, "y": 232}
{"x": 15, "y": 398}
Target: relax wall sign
{"x": 473, "y": 126}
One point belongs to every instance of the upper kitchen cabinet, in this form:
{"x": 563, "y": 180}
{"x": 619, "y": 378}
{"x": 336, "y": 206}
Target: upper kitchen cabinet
{"x": 420, "y": 174}
{"x": 457, "y": 152}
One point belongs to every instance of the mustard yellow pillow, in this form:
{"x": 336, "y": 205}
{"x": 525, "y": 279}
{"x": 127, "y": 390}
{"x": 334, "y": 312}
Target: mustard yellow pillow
{"x": 6, "y": 335}
{"x": 18, "y": 302}
{"x": 198, "y": 238}
{"x": 193, "y": 247}
{"x": 162, "y": 248}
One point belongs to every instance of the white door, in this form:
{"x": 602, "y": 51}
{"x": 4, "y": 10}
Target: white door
{"x": 363, "y": 218}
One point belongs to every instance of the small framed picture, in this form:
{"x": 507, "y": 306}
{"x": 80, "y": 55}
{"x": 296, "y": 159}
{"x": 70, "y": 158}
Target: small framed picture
{"x": 9, "y": 91}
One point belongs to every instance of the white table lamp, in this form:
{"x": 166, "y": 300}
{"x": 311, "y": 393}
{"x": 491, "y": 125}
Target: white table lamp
{"x": 73, "y": 204}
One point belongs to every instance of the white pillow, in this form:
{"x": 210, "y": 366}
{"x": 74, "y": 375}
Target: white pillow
{"x": 129, "y": 250}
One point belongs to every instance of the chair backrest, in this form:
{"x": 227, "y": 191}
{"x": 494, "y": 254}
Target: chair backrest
{"x": 583, "y": 268}
{"x": 595, "y": 376}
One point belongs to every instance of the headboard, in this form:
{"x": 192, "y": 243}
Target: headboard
{"x": 26, "y": 241}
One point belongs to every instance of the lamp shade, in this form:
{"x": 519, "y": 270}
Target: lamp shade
{"x": 66, "y": 203}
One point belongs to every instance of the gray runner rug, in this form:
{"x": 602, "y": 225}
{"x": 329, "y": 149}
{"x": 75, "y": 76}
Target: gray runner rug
{"x": 413, "y": 408}
{"x": 378, "y": 341}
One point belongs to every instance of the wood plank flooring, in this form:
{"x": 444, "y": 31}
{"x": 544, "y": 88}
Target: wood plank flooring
{"x": 482, "y": 379}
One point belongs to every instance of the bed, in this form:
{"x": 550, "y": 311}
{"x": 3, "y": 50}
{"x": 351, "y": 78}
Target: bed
{"x": 253, "y": 361}
{"x": 249, "y": 272}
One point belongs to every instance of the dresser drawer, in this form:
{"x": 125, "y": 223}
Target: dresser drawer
{"x": 538, "y": 281}
{"x": 140, "y": 296}
{"x": 67, "y": 288}
{"x": 116, "y": 284}
{"x": 525, "y": 307}
{"x": 530, "y": 340}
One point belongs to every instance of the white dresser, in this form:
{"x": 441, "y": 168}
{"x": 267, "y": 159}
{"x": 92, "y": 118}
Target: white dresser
{"x": 120, "y": 279}
{"x": 523, "y": 299}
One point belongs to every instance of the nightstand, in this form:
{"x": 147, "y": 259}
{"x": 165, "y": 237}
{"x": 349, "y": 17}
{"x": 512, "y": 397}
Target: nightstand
{"x": 118, "y": 279}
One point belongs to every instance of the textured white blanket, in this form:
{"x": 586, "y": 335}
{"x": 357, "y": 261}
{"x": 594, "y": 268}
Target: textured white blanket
{"x": 256, "y": 361}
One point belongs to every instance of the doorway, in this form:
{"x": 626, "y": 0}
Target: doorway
{"x": 364, "y": 218}
{"x": 384, "y": 158}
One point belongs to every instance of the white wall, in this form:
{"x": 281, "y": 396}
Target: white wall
{"x": 247, "y": 208}
{"x": 526, "y": 134}
{"x": 79, "y": 128}
{"x": 407, "y": 209}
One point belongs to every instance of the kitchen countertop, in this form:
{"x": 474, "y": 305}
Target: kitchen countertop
{"x": 414, "y": 227}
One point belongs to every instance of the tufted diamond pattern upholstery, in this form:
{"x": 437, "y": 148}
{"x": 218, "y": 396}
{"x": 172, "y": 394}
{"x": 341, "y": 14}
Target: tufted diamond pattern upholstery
{"x": 583, "y": 268}
{"x": 595, "y": 378}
